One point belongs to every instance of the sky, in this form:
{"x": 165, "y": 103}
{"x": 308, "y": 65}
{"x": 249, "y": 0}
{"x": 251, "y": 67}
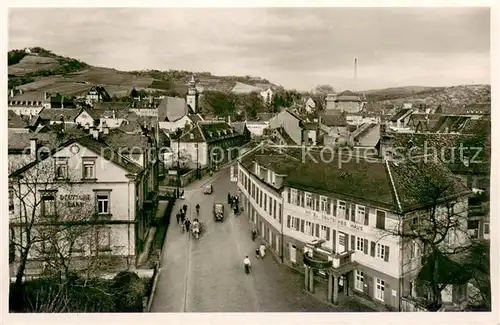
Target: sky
{"x": 297, "y": 48}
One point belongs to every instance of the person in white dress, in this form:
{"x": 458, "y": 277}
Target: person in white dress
{"x": 262, "y": 249}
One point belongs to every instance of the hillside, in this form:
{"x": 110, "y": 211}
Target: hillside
{"x": 450, "y": 97}
{"x": 41, "y": 70}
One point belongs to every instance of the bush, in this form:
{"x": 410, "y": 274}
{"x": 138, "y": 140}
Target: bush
{"x": 55, "y": 295}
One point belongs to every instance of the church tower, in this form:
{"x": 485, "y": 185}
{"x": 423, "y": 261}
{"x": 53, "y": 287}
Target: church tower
{"x": 192, "y": 96}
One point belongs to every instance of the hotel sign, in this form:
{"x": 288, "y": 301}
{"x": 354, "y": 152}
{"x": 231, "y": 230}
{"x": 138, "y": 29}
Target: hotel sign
{"x": 75, "y": 200}
{"x": 338, "y": 222}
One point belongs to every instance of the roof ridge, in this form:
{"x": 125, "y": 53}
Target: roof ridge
{"x": 393, "y": 185}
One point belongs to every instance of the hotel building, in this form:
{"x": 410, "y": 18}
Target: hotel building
{"x": 338, "y": 224}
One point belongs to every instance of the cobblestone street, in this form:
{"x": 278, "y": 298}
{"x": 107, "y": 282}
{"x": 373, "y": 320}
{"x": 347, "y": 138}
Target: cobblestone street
{"x": 206, "y": 275}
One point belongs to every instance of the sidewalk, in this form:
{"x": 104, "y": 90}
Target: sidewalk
{"x": 173, "y": 269}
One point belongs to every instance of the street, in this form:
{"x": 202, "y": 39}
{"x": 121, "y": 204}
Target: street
{"x": 207, "y": 274}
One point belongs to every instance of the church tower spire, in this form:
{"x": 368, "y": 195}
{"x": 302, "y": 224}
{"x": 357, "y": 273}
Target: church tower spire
{"x": 192, "y": 96}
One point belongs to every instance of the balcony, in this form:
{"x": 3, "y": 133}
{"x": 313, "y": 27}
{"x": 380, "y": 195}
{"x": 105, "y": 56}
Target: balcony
{"x": 317, "y": 261}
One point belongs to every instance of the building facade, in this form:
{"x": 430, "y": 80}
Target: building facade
{"x": 90, "y": 190}
{"x": 292, "y": 214}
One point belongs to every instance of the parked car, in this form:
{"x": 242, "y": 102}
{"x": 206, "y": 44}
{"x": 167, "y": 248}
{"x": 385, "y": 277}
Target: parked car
{"x": 218, "y": 211}
{"x": 208, "y": 189}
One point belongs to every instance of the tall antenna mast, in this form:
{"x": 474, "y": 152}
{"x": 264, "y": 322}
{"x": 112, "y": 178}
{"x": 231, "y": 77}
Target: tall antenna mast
{"x": 355, "y": 74}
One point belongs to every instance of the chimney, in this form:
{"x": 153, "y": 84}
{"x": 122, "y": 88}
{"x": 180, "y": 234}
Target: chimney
{"x": 33, "y": 147}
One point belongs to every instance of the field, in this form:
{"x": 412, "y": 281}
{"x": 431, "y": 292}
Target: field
{"x": 32, "y": 63}
{"x": 105, "y": 76}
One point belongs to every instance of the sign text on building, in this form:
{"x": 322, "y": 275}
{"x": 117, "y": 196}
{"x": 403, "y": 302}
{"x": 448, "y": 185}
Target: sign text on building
{"x": 75, "y": 200}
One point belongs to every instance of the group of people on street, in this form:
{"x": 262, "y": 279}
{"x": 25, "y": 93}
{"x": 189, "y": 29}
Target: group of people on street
{"x": 233, "y": 202}
{"x": 260, "y": 252}
{"x": 182, "y": 220}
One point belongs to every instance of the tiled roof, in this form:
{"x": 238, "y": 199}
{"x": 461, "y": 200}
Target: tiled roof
{"x": 122, "y": 113}
{"x": 294, "y": 114}
{"x": 447, "y": 123}
{"x": 195, "y": 118}
{"x": 125, "y": 142}
{"x": 29, "y": 96}
{"x": 309, "y": 125}
{"x": 369, "y": 181}
{"x": 109, "y": 106}
{"x": 420, "y": 182}
{"x": 399, "y": 114}
{"x": 333, "y": 120}
{"x": 15, "y": 121}
{"x": 281, "y": 133}
{"x": 239, "y": 127}
{"x": 130, "y": 126}
{"x": 54, "y": 114}
{"x": 22, "y": 141}
{"x": 362, "y": 130}
{"x": 93, "y": 114}
{"x": 97, "y": 147}
{"x": 171, "y": 109}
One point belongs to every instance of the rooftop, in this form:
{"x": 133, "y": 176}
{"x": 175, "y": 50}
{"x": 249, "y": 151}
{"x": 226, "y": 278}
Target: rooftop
{"x": 55, "y": 114}
{"x": 171, "y": 109}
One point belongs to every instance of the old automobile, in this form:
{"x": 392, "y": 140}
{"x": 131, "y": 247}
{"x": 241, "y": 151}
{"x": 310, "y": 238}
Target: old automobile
{"x": 218, "y": 211}
{"x": 208, "y": 189}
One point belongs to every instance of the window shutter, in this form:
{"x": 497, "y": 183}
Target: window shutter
{"x": 317, "y": 230}
{"x": 386, "y": 257}
{"x": 353, "y": 242}
{"x": 346, "y": 242}
{"x": 328, "y": 205}
{"x": 334, "y": 208}
{"x": 365, "y": 246}
{"x": 316, "y": 198}
{"x": 334, "y": 238}
{"x": 372, "y": 249}
{"x": 367, "y": 217}
{"x": 301, "y": 195}
{"x": 297, "y": 224}
{"x": 353, "y": 212}
{"x": 302, "y": 225}
{"x": 347, "y": 210}
{"x": 288, "y": 217}
{"x": 289, "y": 195}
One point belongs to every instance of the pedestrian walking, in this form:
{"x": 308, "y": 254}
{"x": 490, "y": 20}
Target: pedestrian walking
{"x": 262, "y": 250}
{"x": 183, "y": 217}
{"x": 187, "y": 223}
{"x": 257, "y": 252}
{"x": 254, "y": 234}
{"x": 178, "y": 217}
{"x": 185, "y": 207}
{"x": 228, "y": 198}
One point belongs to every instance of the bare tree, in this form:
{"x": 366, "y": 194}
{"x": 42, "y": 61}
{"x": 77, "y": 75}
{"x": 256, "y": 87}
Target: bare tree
{"x": 50, "y": 217}
{"x": 437, "y": 226}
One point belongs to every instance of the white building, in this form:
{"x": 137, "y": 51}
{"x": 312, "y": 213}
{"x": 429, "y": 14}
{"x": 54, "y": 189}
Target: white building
{"x": 350, "y": 215}
{"x": 82, "y": 182}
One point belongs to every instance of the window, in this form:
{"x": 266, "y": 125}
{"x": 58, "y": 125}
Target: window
{"x": 341, "y": 209}
{"x": 324, "y": 204}
{"x": 88, "y": 169}
{"x": 274, "y": 209}
{"x": 103, "y": 203}
{"x": 382, "y": 252}
{"x": 486, "y": 230}
{"x": 48, "y": 205}
{"x": 61, "y": 168}
{"x": 265, "y": 202}
{"x": 323, "y": 232}
{"x": 103, "y": 239}
{"x": 358, "y": 281}
{"x": 294, "y": 223}
{"x": 309, "y": 200}
{"x": 360, "y": 215}
{"x": 279, "y": 212}
{"x": 260, "y": 198}
{"x": 360, "y": 244}
{"x": 309, "y": 228}
{"x": 380, "y": 220}
{"x": 11, "y": 198}
{"x": 379, "y": 289}
{"x": 294, "y": 196}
